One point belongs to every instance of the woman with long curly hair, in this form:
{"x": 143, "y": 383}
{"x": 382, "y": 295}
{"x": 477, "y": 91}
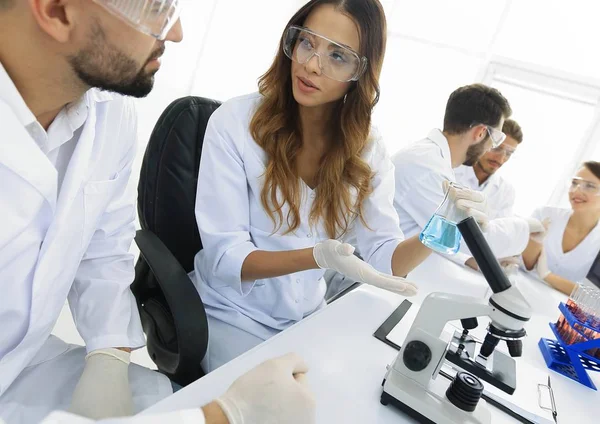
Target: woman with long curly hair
{"x": 288, "y": 172}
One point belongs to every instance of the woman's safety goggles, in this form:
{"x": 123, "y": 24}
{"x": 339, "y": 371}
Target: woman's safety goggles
{"x": 335, "y": 60}
{"x": 152, "y": 17}
{"x": 586, "y": 187}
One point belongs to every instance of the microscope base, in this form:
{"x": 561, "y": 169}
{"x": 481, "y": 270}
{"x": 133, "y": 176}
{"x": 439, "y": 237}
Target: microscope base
{"x": 429, "y": 405}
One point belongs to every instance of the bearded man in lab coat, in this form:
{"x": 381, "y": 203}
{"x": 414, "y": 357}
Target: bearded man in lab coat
{"x": 474, "y": 117}
{"x": 66, "y": 221}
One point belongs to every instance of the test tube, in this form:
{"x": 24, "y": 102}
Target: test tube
{"x": 572, "y": 302}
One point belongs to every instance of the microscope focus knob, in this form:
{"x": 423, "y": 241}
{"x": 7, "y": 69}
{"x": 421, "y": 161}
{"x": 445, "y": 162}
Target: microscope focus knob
{"x": 416, "y": 355}
{"x": 465, "y": 391}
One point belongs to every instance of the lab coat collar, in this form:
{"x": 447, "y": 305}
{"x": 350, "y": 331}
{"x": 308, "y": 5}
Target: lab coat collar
{"x": 98, "y": 96}
{"x": 11, "y": 96}
{"x": 440, "y": 140}
{"x": 20, "y": 154}
{"x": 75, "y": 115}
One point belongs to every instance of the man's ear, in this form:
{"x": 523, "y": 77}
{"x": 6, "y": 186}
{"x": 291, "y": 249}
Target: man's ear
{"x": 479, "y": 133}
{"x": 54, "y": 17}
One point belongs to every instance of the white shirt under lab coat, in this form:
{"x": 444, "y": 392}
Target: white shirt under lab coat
{"x": 233, "y": 223}
{"x": 575, "y": 264}
{"x": 420, "y": 171}
{"x": 500, "y": 194}
{"x": 66, "y": 227}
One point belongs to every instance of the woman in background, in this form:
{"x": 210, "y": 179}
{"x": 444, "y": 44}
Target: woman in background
{"x": 572, "y": 241}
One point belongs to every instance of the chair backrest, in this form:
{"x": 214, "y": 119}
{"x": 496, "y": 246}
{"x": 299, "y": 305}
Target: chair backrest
{"x": 171, "y": 310}
{"x": 167, "y": 187}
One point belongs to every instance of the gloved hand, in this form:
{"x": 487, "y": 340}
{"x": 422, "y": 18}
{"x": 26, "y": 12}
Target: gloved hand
{"x": 103, "y": 389}
{"x": 331, "y": 254}
{"x": 537, "y": 229}
{"x": 510, "y": 265}
{"x": 274, "y": 392}
{"x": 471, "y": 202}
{"x": 541, "y": 266}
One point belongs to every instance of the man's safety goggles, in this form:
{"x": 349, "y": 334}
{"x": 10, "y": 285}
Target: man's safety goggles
{"x": 152, "y": 17}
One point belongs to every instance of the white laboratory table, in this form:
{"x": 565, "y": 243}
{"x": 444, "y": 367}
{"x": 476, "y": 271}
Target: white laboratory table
{"x": 347, "y": 364}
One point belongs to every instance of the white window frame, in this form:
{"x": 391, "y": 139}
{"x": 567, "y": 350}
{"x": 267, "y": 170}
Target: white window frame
{"x": 556, "y": 83}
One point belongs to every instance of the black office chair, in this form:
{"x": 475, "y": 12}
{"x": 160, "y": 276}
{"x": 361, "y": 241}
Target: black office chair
{"x": 171, "y": 310}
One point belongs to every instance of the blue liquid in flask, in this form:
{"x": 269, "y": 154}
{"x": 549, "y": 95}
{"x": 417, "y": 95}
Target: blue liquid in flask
{"x": 441, "y": 235}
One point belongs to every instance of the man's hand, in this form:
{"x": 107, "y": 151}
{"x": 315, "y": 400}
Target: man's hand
{"x": 471, "y": 202}
{"x": 103, "y": 390}
{"x": 275, "y": 392}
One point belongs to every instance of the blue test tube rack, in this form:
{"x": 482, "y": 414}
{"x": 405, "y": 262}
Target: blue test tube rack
{"x": 570, "y": 360}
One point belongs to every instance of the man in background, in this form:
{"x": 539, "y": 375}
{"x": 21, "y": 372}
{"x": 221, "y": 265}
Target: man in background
{"x": 482, "y": 176}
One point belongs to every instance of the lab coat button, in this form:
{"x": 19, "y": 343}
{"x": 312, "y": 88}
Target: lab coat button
{"x": 298, "y": 281}
{"x": 297, "y": 301}
{"x": 309, "y": 235}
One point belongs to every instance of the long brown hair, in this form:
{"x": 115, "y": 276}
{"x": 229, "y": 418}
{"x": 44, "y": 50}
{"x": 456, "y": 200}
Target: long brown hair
{"x": 342, "y": 171}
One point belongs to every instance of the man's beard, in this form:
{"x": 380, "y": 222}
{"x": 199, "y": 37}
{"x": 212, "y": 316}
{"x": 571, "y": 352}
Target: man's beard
{"x": 475, "y": 152}
{"x": 104, "y": 66}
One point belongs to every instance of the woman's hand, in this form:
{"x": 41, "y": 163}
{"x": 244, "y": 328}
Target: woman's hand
{"x": 331, "y": 254}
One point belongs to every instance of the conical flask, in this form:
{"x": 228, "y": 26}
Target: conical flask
{"x": 441, "y": 233}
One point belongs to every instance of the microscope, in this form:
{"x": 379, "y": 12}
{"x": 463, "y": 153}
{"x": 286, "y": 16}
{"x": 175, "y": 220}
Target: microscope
{"x": 411, "y": 382}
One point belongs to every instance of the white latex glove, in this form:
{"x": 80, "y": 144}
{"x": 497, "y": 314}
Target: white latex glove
{"x": 471, "y": 202}
{"x": 331, "y": 254}
{"x": 541, "y": 266}
{"x": 510, "y": 265}
{"x": 103, "y": 390}
{"x": 538, "y": 229}
{"x": 275, "y": 392}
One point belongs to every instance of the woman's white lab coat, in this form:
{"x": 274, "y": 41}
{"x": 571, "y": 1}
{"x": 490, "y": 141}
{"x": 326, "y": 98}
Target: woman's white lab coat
{"x": 233, "y": 223}
{"x": 73, "y": 246}
{"x": 573, "y": 265}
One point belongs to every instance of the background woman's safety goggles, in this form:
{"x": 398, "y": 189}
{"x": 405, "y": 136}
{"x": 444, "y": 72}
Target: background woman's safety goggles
{"x": 336, "y": 61}
{"x": 152, "y": 17}
{"x": 584, "y": 186}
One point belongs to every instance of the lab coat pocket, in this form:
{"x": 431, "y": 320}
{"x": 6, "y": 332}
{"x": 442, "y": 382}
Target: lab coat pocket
{"x": 289, "y": 302}
{"x": 97, "y": 195}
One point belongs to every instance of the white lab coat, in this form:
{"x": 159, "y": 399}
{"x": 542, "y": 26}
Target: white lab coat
{"x": 573, "y": 265}
{"x": 420, "y": 170}
{"x": 500, "y": 194}
{"x": 70, "y": 244}
{"x": 233, "y": 223}
{"x": 188, "y": 416}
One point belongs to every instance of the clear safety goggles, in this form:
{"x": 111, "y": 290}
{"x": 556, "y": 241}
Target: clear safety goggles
{"x": 585, "y": 186}
{"x": 336, "y": 61}
{"x": 497, "y": 136}
{"x": 506, "y": 151}
{"x": 152, "y": 17}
